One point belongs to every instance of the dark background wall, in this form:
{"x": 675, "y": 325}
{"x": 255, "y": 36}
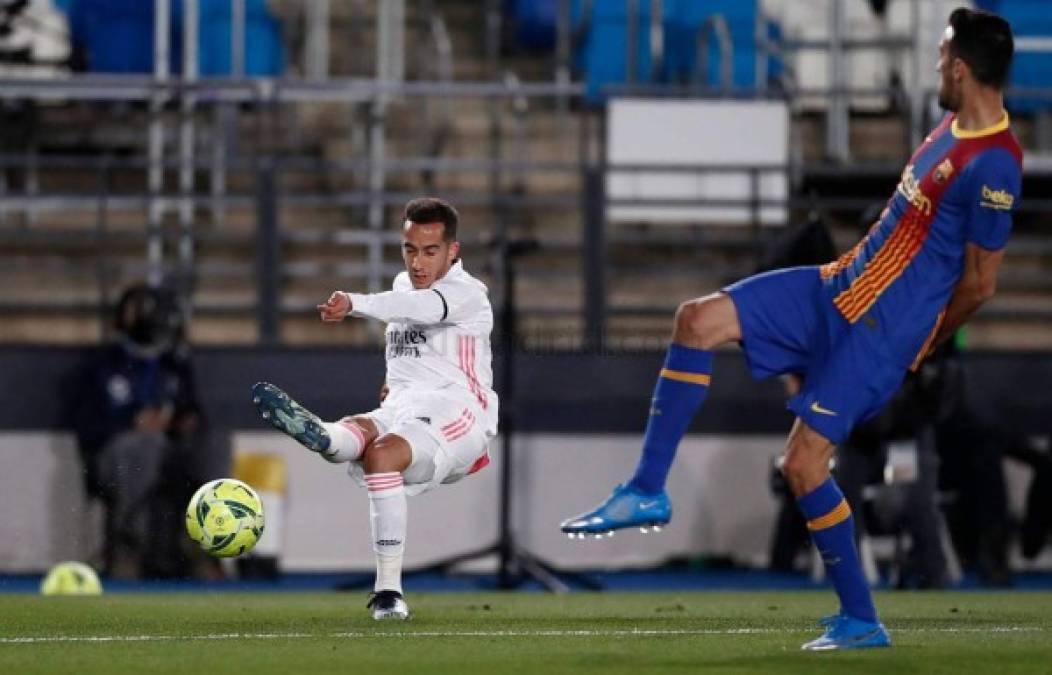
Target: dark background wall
{"x": 565, "y": 392}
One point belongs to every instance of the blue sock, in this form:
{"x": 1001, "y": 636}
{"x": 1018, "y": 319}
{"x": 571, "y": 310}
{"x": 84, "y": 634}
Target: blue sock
{"x": 833, "y": 530}
{"x": 680, "y": 391}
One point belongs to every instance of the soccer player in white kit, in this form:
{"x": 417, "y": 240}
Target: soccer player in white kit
{"x": 438, "y": 410}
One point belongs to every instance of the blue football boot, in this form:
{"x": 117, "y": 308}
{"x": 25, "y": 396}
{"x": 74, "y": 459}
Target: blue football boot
{"x": 830, "y": 620}
{"x": 276, "y": 407}
{"x": 847, "y": 632}
{"x": 626, "y": 507}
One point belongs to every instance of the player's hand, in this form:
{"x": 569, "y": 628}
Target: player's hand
{"x": 336, "y": 308}
{"x": 154, "y": 418}
{"x": 384, "y": 391}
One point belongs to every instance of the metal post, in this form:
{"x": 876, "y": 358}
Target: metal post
{"x": 563, "y": 54}
{"x": 102, "y": 250}
{"x": 390, "y": 68}
{"x": 657, "y": 39}
{"x": 837, "y": 131}
{"x": 237, "y": 38}
{"x": 186, "y": 148}
{"x": 631, "y": 40}
{"x": 224, "y": 119}
{"x": 32, "y": 169}
{"x": 916, "y": 91}
{"x": 316, "y": 56}
{"x": 594, "y": 253}
{"x": 155, "y": 234}
{"x": 268, "y": 255}
{"x": 762, "y": 50}
{"x": 499, "y": 262}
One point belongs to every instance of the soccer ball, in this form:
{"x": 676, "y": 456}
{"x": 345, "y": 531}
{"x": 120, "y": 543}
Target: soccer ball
{"x": 225, "y": 517}
{"x": 71, "y": 578}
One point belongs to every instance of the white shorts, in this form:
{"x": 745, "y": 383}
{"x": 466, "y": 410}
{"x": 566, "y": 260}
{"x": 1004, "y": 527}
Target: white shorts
{"x": 447, "y": 434}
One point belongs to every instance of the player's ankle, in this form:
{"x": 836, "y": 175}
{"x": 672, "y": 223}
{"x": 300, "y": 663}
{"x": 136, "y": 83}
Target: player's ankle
{"x": 346, "y": 441}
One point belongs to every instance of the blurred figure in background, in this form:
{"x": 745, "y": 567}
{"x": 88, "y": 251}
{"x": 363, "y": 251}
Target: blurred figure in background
{"x": 139, "y": 427}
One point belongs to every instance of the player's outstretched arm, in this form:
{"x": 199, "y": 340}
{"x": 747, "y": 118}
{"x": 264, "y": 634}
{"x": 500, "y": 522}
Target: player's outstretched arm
{"x": 428, "y": 306}
{"x": 978, "y": 284}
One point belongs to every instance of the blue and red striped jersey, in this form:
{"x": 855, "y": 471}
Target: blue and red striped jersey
{"x": 959, "y": 187}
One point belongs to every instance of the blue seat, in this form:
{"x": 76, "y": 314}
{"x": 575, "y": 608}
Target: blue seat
{"x": 534, "y": 23}
{"x": 264, "y": 49}
{"x": 1029, "y": 18}
{"x": 683, "y": 20}
{"x": 117, "y": 36}
{"x": 601, "y": 54}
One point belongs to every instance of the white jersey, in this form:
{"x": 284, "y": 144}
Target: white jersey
{"x": 437, "y": 338}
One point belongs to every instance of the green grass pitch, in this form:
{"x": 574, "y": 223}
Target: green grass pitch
{"x": 504, "y": 633}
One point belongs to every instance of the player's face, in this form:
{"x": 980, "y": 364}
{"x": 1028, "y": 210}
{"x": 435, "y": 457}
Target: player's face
{"x": 949, "y": 77}
{"x": 427, "y": 255}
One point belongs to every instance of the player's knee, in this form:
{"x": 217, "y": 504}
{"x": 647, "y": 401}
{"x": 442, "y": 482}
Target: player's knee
{"x": 803, "y": 471}
{"x": 696, "y": 322}
{"x": 386, "y": 454}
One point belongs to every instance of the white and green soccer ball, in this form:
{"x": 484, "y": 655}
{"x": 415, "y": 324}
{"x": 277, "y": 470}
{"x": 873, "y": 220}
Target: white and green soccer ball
{"x": 71, "y": 578}
{"x": 225, "y": 517}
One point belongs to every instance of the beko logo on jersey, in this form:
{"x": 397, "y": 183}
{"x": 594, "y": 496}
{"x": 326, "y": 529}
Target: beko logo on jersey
{"x": 405, "y": 342}
{"x": 996, "y": 199}
{"x": 909, "y": 188}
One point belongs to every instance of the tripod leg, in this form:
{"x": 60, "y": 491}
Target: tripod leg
{"x": 535, "y": 569}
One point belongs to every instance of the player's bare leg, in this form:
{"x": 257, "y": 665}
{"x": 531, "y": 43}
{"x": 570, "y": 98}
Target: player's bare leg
{"x": 806, "y": 469}
{"x": 384, "y": 460}
{"x": 700, "y": 326}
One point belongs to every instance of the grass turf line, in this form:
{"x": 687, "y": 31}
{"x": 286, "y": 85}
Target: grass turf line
{"x": 608, "y": 634}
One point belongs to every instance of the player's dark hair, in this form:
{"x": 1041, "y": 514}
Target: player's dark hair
{"x": 433, "y": 210}
{"x": 984, "y": 41}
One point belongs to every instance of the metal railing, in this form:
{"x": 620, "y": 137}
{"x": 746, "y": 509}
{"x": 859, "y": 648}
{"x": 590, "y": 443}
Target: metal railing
{"x": 214, "y": 108}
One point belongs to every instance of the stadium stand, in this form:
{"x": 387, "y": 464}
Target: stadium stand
{"x": 73, "y": 229}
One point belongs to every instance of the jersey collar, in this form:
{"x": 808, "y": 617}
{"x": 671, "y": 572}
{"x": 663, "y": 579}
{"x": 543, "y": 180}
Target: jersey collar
{"x": 979, "y": 133}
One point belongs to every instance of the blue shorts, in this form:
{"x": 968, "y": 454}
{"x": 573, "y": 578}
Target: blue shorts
{"x": 789, "y": 325}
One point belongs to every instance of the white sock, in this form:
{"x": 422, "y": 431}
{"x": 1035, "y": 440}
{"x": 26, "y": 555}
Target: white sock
{"x": 346, "y": 441}
{"x": 387, "y": 516}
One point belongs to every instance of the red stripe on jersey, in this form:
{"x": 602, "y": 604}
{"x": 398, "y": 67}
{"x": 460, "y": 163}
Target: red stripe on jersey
{"x": 474, "y": 376}
{"x": 480, "y": 463}
{"x": 463, "y": 431}
{"x": 460, "y": 428}
{"x": 910, "y": 233}
{"x": 466, "y": 352}
{"x": 458, "y": 420}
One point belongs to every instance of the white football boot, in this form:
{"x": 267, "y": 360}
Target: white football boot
{"x": 388, "y": 605}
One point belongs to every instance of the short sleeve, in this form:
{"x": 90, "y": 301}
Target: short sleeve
{"x": 993, "y": 191}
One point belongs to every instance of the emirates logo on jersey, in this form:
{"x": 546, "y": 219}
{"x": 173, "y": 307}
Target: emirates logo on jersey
{"x": 943, "y": 171}
{"x": 406, "y": 342}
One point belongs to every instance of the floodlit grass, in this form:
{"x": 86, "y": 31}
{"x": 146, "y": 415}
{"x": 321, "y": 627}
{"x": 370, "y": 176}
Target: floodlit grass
{"x": 495, "y": 633}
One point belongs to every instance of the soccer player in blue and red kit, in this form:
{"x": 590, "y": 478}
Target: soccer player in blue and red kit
{"x": 854, "y": 327}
